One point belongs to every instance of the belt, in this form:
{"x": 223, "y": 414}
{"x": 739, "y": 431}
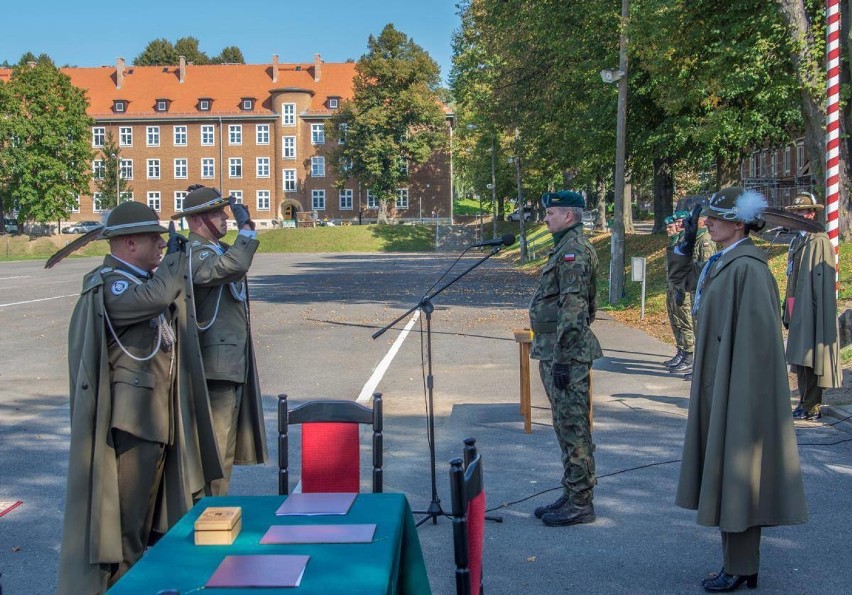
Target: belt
{"x": 543, "y": 327}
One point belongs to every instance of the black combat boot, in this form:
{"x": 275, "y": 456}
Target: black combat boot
{"x": 671, "y": 361}
{"x": 685, "y": 364}
{"x": 570, "y": 514}
{"x": 676, "y": 359}
{"x": 543, "y": 510}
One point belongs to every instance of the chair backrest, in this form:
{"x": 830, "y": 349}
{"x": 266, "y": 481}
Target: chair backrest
{"x": 331, "y": 459}
{"x": 468, "y": 512}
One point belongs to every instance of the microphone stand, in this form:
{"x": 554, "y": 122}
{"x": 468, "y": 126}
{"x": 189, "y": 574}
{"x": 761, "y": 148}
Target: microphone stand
{"x": 425, "y": 305}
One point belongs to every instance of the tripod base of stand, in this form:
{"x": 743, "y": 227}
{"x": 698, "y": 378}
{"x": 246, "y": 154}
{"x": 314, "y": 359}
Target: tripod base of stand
{"x": 433, "y": 512}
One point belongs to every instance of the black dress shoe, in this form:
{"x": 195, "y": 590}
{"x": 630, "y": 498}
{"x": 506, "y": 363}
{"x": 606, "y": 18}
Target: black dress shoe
{"x": 570, "y": 514}
{"x": 554, "y": 506}
{"x": 712, "y": 576}
{"x": 725, "y": 582}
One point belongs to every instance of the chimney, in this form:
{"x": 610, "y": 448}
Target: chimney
{"x": 317, "y": 67}
{"x": 182, "y": 69}
{"x": 119, "y": 72}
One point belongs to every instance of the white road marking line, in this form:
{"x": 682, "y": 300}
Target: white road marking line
{"x": 15, "y": 277}
{"x": 57, "y": 297}
{"x": 373, "y": 382}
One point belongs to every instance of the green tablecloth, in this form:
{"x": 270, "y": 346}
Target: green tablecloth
{"x": 392, "y": 563}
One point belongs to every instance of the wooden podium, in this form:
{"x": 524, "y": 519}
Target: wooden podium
{"x": 523, "y": 336}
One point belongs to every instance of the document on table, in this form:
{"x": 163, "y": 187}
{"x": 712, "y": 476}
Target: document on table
{"x": 316, "y": 504}
{"x": 259, "y": 571}
{"x": 278, "y": 534}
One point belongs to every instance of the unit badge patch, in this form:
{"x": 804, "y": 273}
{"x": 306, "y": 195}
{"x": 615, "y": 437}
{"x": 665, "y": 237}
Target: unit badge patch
{"x": 569, "y": 257}
{"x": 119, "y": 286}
{"x": 204, "y": 255}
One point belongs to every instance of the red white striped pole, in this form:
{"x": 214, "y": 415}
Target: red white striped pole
{"x": 832, "y": 129}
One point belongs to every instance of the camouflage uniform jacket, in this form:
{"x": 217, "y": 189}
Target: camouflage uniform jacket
{"x": 563, "y": 306}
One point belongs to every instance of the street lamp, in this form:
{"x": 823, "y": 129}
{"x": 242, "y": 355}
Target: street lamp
{"x": 492, "y": 186}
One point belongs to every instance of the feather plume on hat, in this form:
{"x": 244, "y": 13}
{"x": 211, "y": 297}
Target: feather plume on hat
{"x": 750, "y": 206}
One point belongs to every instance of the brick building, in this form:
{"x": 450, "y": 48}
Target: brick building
{"x": 253, "y": 130}
{"x": 779, "y": 172}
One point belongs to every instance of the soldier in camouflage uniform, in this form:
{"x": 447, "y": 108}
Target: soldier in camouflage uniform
{"x": 674, "y": 234}
{"x": 561, "y": 311}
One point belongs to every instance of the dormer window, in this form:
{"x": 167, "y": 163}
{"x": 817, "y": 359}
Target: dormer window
{"x": 247, "y": 104}
{"x": 163, "y": 105}
{"x": 204, "y": 104}
{"x": 333, "y": 102}
{"x": 119, "y": 106}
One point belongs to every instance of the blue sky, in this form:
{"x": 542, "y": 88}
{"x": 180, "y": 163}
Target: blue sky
{"x": 93, "y": 32}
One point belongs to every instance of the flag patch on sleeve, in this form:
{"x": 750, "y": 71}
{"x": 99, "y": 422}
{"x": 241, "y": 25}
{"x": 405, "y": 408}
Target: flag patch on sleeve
{"x": 569, "y": 257}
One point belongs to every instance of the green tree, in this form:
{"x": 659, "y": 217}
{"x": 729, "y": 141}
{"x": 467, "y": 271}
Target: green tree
{"x": 395, "y": 119}
{"x": 45, "y": 152}
{"x": 111, "y": 185}
{"x": 160, "y": 52}
{"x": 188, "y": 47}
{"x": 230, "y": 55}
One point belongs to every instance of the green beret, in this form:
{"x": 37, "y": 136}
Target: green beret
{"x": 678, "y": 215}
{"x": 563, "y": 198}
{"x": 668, "y": 220}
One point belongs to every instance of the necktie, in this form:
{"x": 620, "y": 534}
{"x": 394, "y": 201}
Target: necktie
{"x": 701, "y": 279}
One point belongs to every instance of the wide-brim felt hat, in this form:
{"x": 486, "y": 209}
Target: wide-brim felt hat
{"x": 805, "y": 201}
{"x": 131, "y": 218}
{"x": 201, "y": 200}
{"x": 736, "y": 204}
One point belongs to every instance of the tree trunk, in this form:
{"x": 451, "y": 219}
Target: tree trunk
{"x": 727, "y": 172}
{"x": 600, "y": 200}
{"x": 628, "y": 204}
{"x": 663, "y": 192}
{"x": 382, "y": 217}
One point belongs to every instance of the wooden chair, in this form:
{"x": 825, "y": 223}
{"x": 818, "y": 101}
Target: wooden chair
{"x": 468, "y": 513}
{"x": 331, "y": 459}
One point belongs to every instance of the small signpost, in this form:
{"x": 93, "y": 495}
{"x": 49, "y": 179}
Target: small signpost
{"x": 637, "y": 265}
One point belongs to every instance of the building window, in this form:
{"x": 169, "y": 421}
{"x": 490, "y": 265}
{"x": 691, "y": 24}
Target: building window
{"x": 207, "y": 139}
{"x": 162, "y": 105}
{"x": 248, "y": 104}
{"x": 318, "y": 134}
{"x": 262, "y": 134}
{"x": 372, "y": 200}
{"x": 154, "y": 201}
{"x": 403, "y": 166}
{"x": 76, "y": 207}
{"x": 153, "y": 136}
{"x": 153, "y": 169}
{"x": 773, "y": 163}
{"x": 181, "y": 168}
{"x": 180, "y": 136}
{"x": 787, "y": 161}
{"x": 98, "y": 169}
{"x": 179, "y": 196}
{"x": 208, "y": 167}
{"x": 346, "y": 199}
{"x": 402, "y": 198}
{"x": 289, "y": 180}
{"x": 125, "y": 136}
{"x": 263, "y": 200}
{"x": 288, "y": 147}
{"x": 752, "y": 166}
{"x": 263, "y": 167}
{"x": 333, "y": 103}
{"x": 288, "y": 114}
{"x": 126, "y": 169}
{"x": 317, "y": 167}
{"x": 343, "y": 129}
{"x": 238, "y": 196}
{"x": 318, "y": 200}
{"x": 235, "y": 167}
{"x": 97, "y": 202}
{"x": 800, "y": 158}
{"x": 98, "y": 136}
{"x": 125, "y": 197}
{"x": 235, "y": 134}
{"x": 204, "y": 105}
{"x": 119, "y": 106}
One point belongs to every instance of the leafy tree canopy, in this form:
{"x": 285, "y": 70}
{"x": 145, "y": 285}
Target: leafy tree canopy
{"x": 161, "y": 52}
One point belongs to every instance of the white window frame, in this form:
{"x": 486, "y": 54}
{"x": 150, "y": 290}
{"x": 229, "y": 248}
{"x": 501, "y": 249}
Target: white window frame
{"x": 97, "y": 207}
{"x": 262, "y": 167}
{"x": 125, "y": 196}
{"x": 153, "y": 169}
{"x": 204, "y": 105}
{"x": 342, "y": 129}
{"x": 180, "y": 136}
{"x": 119, "y": 107}
{"x": 162, "y": 105}
{"x": 248, "y": 104}
{"x": 402, "y": 198}
{"x": 288, "y": 114}
{"x": 152, "y": 136}
{"x": 154, "y": 200}
{"x": 208, "y": 168}
{"x": 318, "y": 199}
{"x": 125, "y": 136}
{"x": 237, "y": 194}
{"x": 235, "y": 167}
{"x": 317, "y": 166}
{"x": 318, "y": 133}
{"x": 76, "y": 207}
{"x": 235, "y": 134}
{"x": 179, "y": 196}
{"x": 261, "y": 135}
{"x": 372, "y": 200}
{"x": 800, "y": 157}
{"x": 289, "y": 180}
{"x": 787, "y": 160}
{"x": 98, "y": 136}
{"x": 181, "y": 168}
{"x": 345, "y": 198}
{"x": 288, "y": 147}
{"x": 98, "y": 169}
{"x": 208, "y": 136}
{"x": 126, "y": 169}
{"x": 262, "y": 200}
{"x": 752, "y": 165}
{"x": 333, "y": 103}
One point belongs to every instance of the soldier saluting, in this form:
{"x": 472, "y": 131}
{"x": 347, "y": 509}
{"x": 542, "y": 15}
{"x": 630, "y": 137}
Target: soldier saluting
{"x": 218, "y": 273}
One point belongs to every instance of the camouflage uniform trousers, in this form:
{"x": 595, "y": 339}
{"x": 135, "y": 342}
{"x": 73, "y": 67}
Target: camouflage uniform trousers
{"x": 570, "y": 408}
{"x": 680, "y": 317}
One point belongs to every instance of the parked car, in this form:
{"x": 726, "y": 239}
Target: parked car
{"x": 10, "y": 225}
{"x": 82, "y": 227}
{"x": 514, "y": 216}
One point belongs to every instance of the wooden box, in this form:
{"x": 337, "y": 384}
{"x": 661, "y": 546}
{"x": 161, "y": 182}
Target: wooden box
{"x": 218, "y": 525}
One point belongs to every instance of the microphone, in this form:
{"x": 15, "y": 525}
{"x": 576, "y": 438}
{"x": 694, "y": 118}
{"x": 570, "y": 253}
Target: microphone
{"x": 507, "y": 240}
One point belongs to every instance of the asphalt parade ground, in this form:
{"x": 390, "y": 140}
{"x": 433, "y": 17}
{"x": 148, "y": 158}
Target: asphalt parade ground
{"x": 313, "y": 317}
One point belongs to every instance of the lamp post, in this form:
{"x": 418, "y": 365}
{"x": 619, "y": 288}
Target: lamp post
{"x": 493, "y": 190}
{"x": 117, "y": 178}
{"x": 521, "y": 210}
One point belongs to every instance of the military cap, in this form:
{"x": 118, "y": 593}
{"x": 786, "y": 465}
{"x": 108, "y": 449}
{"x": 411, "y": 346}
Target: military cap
{"x": 201, "y": 199}
{"x": 736, "y": 204}
{"x": 563, "y": 198}
{"x": 680, "y": 215}
{"x": 130, "y": 218}
{"x": 805, "y": 201}
{"x": 669, "y": 220}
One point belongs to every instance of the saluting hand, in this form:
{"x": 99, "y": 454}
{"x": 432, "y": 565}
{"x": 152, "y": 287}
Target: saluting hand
{"x": 690, "y": 232}
{"x": 240, "y": 213}
{"x": 176, "y": 242}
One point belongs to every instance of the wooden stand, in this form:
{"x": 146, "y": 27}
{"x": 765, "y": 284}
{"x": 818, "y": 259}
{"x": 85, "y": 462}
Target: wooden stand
{"x": 523, "y": 336}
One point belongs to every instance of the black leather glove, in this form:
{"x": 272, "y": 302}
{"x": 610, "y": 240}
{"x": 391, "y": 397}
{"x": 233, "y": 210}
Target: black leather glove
{"x": 690, "y": 231}
{"x": 176, "y": 242}
{"x": 240, "y": 213}
{"x": 561, "y": 375}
